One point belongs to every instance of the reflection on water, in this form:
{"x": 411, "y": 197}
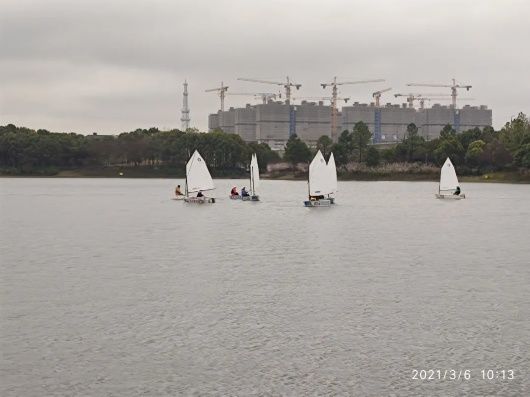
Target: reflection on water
{"x": 108, "y": 287}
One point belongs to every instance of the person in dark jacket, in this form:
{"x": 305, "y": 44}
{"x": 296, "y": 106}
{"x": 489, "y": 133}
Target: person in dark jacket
{"x": 457, "y": 191}
{"x": 200, "y": 194}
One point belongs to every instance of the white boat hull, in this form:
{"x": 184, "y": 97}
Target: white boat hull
{"x": 450, "y": 196}
{"x": 250, "y": 198}
{"x": 317, "y": 203}
{"x": 235, "y": 197}
{"x": 200, "y": 200}
{"x": 178, "y": 198}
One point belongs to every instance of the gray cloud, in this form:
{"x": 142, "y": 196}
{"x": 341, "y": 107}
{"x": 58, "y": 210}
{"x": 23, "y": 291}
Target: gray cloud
{"x": 112, "y": 66}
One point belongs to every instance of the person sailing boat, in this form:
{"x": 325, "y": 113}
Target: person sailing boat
{"x": 314, "y": 198}
{"x": 178, "y": 192}
{"x": 457, "y": 191}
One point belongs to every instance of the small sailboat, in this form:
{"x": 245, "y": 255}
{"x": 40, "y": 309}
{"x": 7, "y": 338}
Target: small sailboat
{"x": 254, "y": 180}
{"x": 198, "y": 179}
{"x": 449, "y": 187}
{"x": 319, "y": 183}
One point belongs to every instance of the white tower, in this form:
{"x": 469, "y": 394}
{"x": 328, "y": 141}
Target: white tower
{"x": 185, "y": 118}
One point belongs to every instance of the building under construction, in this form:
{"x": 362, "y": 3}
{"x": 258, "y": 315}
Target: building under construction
{"x": 274, "y": 122}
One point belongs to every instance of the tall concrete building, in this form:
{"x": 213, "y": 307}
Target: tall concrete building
{"x": 274, "y": 122}
{"x": 312, "y": 121}
{"x": 245, "y": 123}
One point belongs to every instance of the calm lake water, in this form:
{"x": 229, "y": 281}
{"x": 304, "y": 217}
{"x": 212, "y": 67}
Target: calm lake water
{"x": 109, "y": 288}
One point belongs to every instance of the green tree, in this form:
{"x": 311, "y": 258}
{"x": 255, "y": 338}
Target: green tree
{"x": 361, "y": 137}
{"x": 343, "y": 149}
{"x": 388, "y": 155}
{"x": 475, "y": 152}
{"x": 521, "y": 156}
{"x": 447, "y": 132}
{"x": 324, "y": 144}
{"x": 516, "y": 133}
{"x": 449, "y": 147}
{"x": 469, "y": 136}
{"x": 412, "y": 146}
{"x": 496, "y": 155}
{"x": 264, "y": 153}
{"x": 296, "y": 151}
{"x": 372, "y": 157}
{"x": 488, "y": 134}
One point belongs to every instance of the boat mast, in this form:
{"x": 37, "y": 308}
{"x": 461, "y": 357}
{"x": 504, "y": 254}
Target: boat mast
{"x": 251, "y": 180}
{"x": 308, "y": 184}
{"x": 186, "y": 172}
{"x": 187, "y": 184}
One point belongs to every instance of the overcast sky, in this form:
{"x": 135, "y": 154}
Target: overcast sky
{"x": 116, "y": 65}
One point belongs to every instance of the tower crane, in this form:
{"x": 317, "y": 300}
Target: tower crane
{"x": 322, "y": 98}
{"x": 439, "y": 98}
{"x": 265, "y": 96}
{"x": 426, "y": 97}
{"x": 377, "y": 95}
{"x": 418, "y": 97}
{"x": 410, "y": 98}
{"x": 287, "y": 85}
{"x": 454, "y": 86}
{"x": 334, "y": 94}
{"x": 221, "y": 91}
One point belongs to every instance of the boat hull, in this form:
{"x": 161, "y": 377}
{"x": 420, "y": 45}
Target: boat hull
{"x": 450, "y": 196}
{"x": 179, "y": 198}
{"x": 234, "y": 197}
{"x": 250, "y": 198}
{"x": 200, "y": 200}
{"x": 317, "y": 203}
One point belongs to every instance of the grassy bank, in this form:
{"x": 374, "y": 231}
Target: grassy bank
{"x": 116, "y": 172}
{"x": 353, "y": 172}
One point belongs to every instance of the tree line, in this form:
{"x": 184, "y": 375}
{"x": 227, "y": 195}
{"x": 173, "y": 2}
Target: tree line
{"x": 473, "y": 150}
{"x": 23, "y": 150}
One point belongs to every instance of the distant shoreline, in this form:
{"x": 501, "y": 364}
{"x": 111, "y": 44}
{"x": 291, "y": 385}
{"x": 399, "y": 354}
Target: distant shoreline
{"x": 514, "y": 177}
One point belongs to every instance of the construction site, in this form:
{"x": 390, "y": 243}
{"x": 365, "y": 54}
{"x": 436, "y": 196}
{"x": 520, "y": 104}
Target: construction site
{"x": 275, "y": 119}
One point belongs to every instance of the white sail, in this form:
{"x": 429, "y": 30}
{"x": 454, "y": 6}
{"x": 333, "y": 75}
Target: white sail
{"x": 319, "y": 178}
{"x": 197, "y": 175}
{"x": 332, "y": 169}
{"x": 448, "y": 179}
{"x": 254, "y": 175}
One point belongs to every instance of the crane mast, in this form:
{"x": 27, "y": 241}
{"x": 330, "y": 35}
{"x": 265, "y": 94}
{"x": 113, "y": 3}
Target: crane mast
{"x": 221, "y": 91}
{"x": 454, "y": 86}
{"x": 321, "y": 98}
{"x": 264, "y": 96}
{"x": 334, "y": 97}
{"x": 287, "y": 85}
{"x": 377, "y": 95}
{"x": 425, "y": 97}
